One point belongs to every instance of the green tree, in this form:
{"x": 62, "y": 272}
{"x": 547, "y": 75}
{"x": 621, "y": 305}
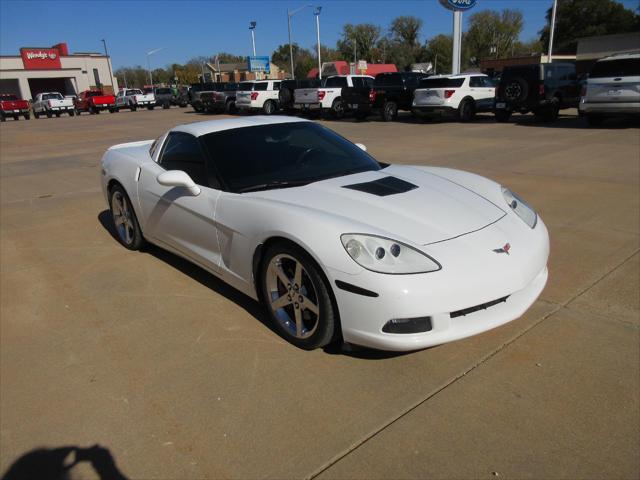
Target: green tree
{"x": 404, "y": 45}
{"x": 406, "y": 30}
{"x": 225, "y": 57}
{"x": 586, "y": 18}
{"x": 303, "y": 59}
{"x": 363, "y": 35}
{"x": 438, "y": 52}
{"x": 492, "y": 34}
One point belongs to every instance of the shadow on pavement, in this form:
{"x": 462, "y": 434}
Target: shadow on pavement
{"x": 57, "y": 464}
{"x": 574, "y": 121}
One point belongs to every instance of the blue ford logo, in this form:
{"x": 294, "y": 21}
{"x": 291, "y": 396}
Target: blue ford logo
{"x": 458, "y": 4}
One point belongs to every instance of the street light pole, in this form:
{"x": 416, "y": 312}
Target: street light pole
{"x": 317, "y": 14}
{"x": 106, "y": 54}
{"x": 552, "y": 29}
{"x": 291, "y": 13}
{"x": 149, "y": 63}
{"x": 252, "y": 27}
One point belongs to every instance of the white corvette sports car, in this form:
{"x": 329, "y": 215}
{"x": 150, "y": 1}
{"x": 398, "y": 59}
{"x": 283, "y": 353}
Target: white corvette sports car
{"x": 334, "y": 243}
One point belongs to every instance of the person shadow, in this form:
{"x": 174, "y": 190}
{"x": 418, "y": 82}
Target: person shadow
{"x": 57, "y": 464}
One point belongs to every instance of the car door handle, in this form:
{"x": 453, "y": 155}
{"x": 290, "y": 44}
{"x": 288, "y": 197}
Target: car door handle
{"x": 617, "y": 79}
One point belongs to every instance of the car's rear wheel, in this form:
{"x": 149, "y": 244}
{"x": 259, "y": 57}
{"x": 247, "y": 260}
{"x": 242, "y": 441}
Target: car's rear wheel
{"x": 389, "y": 111}
{"x": 337, "y": 109}
{"x": 27, "y": 116}
{"x": 297, "y": 297}
{"x": 133, "y": 108}
{"x": 36, "y": 114}
{"x": 49, "y": 114}
{"x": 230, "y": 107}
{"x": 124, "y": 219}
{"x": 466, "y": 111}
{"x": 72, "y": 113}
{"x": 269, "y": 107}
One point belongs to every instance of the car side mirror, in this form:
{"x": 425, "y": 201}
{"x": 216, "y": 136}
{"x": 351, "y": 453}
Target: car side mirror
{"x": 361, "y": 146}
{"x": 178, "y": 178}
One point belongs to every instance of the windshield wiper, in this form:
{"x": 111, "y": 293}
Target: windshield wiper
{"x": 274, "y": 185}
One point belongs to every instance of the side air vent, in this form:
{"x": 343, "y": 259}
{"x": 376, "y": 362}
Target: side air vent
{"x": 383, "y": 187}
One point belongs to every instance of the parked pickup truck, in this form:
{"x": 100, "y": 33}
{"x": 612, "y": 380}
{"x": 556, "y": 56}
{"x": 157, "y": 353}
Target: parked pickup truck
{"x": 94, "y": 101}
{"x": 259, "y": 95}
{"x": 52, "y": 103}
{"x": 132, "y": 98}
{"x": 459, "y": 95}
{"x": 328, "y": 97}
{"x": 223, "y": 99}
{"x": 11, "y": 106}
{"x": 287, "y": 88}
{"x": 197, "y": 89}
{"x": 390, "y": 92}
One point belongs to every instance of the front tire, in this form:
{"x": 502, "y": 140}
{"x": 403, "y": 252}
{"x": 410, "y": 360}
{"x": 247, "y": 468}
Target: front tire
{"x": 36, "y": 114}
{"x": 27, "y": 116}
{"x": 389, "y": 111}
{"x": 133, "y": 108}
{"x": 71, "y": 113}
{"x": 337, "y": 109}
{"x": 269, "y": 107}
{"x": 49, "y": 114}
{"x": 297, "y": 297}
{"x": 124, "y": 219}
{"x": 466, "y": 111}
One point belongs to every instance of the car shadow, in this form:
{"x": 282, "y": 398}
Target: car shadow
{"x": 58, "y": 464}
{"x": 575, "y": 122}
{"x": 249, "y": 305}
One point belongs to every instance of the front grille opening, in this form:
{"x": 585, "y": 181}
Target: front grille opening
{"x": 483, "y": 306}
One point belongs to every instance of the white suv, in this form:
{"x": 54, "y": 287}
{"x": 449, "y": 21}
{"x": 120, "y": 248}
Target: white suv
{"x": 461, "y": 95}
{"x": 258, "y": 95}
{"x": 612, "y": 89}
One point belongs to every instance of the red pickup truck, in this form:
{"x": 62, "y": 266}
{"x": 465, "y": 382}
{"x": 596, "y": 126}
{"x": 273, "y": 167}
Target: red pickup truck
{"x": 93, "y": 101}
{"x": 11, "y": 106}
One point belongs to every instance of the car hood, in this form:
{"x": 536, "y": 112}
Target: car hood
{"x": 426, "y": 209}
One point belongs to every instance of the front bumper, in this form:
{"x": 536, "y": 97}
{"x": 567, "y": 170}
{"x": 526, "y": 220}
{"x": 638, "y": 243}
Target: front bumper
{"x": 479, "y": 277}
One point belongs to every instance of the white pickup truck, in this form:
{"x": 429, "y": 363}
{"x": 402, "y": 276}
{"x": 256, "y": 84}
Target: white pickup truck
{"x": 52, "y": 103}
{"x": 258, "y": 95}
{"x": 329, "y": 96}
{"x": 132, "y": 98}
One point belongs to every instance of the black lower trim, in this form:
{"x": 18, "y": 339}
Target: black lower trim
{"x": 484, "y": 306}
{"x": 354, "y": 289}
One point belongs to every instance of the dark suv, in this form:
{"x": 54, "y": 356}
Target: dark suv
{"x": 542, "y": 88}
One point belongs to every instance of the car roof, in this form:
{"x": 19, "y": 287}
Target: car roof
{"x": 209, "y": 126}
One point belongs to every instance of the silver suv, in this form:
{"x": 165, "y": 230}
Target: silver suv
{"x": 612, "y": 89}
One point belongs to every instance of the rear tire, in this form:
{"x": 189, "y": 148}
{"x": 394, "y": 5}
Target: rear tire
{"x": 466, "y": 111}
{"x": 551, "y": 112}
{"x": 151, "y": 107}
{"x": 389, "y": 111}
{"x": 269, "y": 107}
{"x": 36, "y": 114}
{"x": 27, "y": 116}
{"x": 133, "y": 108}
{"x": 71, "y": 113}
{"x": 165, "y": 106}
{"x": 337, "y": 109}
{"x": 297, "y": 297}
{"x": 230, "y": 107}
{"x": 49, "y": 114}
{"x": 2, "y": 118}
{"x": 502, "y": 116}
{"x": 57, "y": 114}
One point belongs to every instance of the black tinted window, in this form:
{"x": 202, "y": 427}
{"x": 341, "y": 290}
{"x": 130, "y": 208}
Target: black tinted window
{"x": 441, "y": 82}
{"x": 616, "y": 68}
{"x": 230, "y": 87}
{"x": 259, "y": 87}
{"x": 476, "y": 82}
{"x": 182, "y": 152}
{"x": 286, "y": 152}
{"x": 163, "y": 91}
{"x": 336, "y": 82}
{"x": 245, "y": 86}
{"x": 384, "y": 80}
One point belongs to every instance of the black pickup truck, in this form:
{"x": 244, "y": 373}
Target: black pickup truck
{"x": 221, "y": 99}
{"x": 390, "y": 92}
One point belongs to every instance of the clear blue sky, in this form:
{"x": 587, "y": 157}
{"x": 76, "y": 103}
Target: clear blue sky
{"x": 186, "y": 29}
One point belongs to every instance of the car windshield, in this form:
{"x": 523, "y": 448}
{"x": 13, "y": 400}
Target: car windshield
{"x": 245, "y": 86}
{"x": 284, "y": 154}
{"x": 624, "y": 67}
{"x": 134, "y": 92}
{"x": 94, "y": 93}
{"x": 441, "y": 82}
{"x": 52, "y": 96}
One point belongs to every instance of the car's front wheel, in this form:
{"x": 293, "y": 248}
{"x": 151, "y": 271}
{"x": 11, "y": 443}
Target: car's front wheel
{"x": 389, "y": 111}
{"x": 124, "y": 219}
{"x": 297, "y": 297}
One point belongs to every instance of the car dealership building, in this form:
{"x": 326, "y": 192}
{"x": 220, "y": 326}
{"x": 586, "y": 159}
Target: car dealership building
{"x": 54, "y": 69}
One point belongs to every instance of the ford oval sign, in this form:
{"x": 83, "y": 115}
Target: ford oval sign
{"x": 458, "y": 4}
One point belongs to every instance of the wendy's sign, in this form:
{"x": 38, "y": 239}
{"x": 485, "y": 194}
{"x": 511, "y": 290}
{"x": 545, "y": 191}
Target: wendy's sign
{"x": 40, "y": 58}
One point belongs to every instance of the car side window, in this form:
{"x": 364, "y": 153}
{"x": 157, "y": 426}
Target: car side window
{"x": 276, "y": 85}
{"x": 182, "y": 152}
{"x": 260, "y": 87}
{"x": 476, "y": 82}
{"x": 357, "y": 82}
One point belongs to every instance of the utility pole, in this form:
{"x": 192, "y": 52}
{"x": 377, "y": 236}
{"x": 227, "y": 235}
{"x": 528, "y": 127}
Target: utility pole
{"x": 113, "y": 87}
{"x": 317, "y": 14}
{"x": 552, "y": 29}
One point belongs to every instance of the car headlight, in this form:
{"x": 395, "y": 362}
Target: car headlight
{"x": 384, "y": 255}
{"x": 522, "y": 208}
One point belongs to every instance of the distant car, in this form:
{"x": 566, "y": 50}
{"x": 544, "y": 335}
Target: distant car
{"x": 612, "y": 89}
{"x": 197, "y": 89}
{"x": 11, "y": 106}
{"x": 164, "y": 97}
{"x": 52, "y": 103}
{"x": 261, "y": 95}
{"x": 541, "y": 88}
{"x": 287, "y": 88}
{"x": 328, "y": 97}
{"x": 223, "y": 99}
{"x": 459, "y": 95}
{"x": 94, "y": 102}
{"x": 132, "y": 98}
{"x": 332, "y": 242}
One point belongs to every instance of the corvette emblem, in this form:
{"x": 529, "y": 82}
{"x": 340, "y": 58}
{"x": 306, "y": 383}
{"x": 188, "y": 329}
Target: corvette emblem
{"x": 504, "y": 249}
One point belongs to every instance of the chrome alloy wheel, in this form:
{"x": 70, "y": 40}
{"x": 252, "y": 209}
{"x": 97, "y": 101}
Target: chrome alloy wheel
{"x": 122, "y": 217}
{"x": 293, "y": 296}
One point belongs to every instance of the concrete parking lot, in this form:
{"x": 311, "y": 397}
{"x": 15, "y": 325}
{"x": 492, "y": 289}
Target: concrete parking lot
{"x": 175, "y": 375}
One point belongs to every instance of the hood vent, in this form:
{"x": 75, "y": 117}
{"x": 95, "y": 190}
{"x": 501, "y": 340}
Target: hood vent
{"x": 383, "y": 187}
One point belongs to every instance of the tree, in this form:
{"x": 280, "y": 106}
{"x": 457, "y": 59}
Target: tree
{"x": 363, "y": 35}
{"x": 586, "y": 18}
{"x": 438, "y": 51}
{"x": 303, "y": 59}
{"x": 492, "y": 34}
{"x": 406, "y": 30}
{"x": 404, "y": 46}
{"x": 225, "y": 57}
